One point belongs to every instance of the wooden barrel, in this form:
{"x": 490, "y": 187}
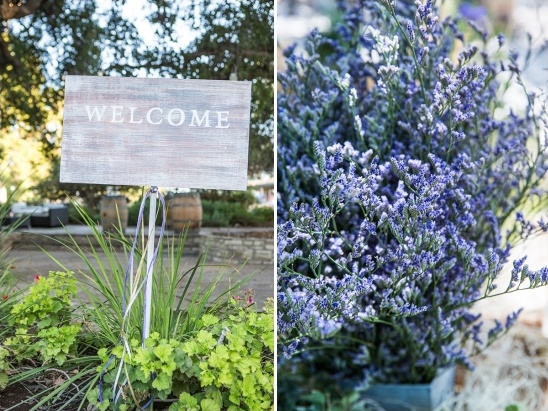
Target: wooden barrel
{"x": 184, "y": 211}
{"x": 114, "y": 213}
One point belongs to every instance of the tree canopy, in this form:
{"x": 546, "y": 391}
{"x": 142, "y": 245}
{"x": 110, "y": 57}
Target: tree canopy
{"x": 42, "y": 41}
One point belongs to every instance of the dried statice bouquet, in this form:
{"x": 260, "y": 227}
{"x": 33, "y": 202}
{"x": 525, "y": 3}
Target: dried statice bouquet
{"x": 400, "y": 190}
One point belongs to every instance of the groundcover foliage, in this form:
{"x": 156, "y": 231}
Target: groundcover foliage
{"x": 42, "y": 320}
{"x": 400, "y": 178}
{"x": 228, "y": 364}
{"x": 210, "y": 349}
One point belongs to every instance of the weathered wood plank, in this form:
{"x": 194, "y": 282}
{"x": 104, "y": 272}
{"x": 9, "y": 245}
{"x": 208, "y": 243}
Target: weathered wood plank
{"x": 162, "y": 132}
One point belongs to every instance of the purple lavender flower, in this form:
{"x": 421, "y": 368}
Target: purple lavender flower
{"x": 471, "y": 12}
{"x": 395, "y": 178}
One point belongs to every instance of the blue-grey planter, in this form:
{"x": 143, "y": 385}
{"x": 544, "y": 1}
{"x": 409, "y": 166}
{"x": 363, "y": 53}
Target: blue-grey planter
{"x": 416, "y": 397}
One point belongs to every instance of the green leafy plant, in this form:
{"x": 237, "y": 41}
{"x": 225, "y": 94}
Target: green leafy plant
{"x": 265, "y": 215}
{"x": 300, "y": 391}
{"x": 221, "y": 213}
{"x": 227, "y": 364}
{"x": 138, "y": 373}
{"x": 257, "y": 217}
{"x": 4, "y": 367}
{"x": 216, "y": 218}
{"x": 244, "y": 198}
{"x": 233, "y": 363}
{"x": 42, "y": 320}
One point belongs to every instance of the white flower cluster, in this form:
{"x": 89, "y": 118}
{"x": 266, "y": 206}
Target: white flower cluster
{"x": 385, "y": 47}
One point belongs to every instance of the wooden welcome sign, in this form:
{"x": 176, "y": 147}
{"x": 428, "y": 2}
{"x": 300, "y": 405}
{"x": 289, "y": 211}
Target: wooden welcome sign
{"x": 161, "y": 132}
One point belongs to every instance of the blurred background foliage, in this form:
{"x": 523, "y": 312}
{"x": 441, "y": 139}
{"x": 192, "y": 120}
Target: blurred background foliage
{"x": 42, "y": 41}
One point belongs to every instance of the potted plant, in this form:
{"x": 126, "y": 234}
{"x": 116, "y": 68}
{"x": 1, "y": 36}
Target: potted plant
{"x": 400, "y": 185}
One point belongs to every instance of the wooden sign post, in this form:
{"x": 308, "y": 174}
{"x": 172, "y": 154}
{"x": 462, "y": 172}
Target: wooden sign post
{"x": 155, "y": 132}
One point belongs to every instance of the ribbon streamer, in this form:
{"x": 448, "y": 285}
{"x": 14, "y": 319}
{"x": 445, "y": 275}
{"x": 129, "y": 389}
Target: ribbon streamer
{"x": 133, "y": 294}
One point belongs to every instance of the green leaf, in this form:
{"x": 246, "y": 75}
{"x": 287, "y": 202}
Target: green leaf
{"x": 237, "y": 342}
{"x": 235, "y": 356}
{"x": 163, "y": 352}
{"x": 182, "y": 361}
{"x": 118, "y": 351}
{"x": 191, "y": 347}
{"x": 46, "y": 322}
{"x": 235, "y": 393}
{"x": 103, "y": 406}
{"x": 205, "y": 340}
{"x": 248, "y": 386}
{"x": 162, "y": 382}
{"x": 208, "y": 319}
{"x": 3, "y": 380}
{"x": 207, "y": 377}
{"x": 142, "y": 376}
{"x": 93, "y": 396}
{"x": 188, "y": 401}
{"x": 226, "y": 378}
{"x": 214, "y": 394}
{"x": 168, "y": 367}
{"x": 247, "y": 365}
{"x": 143, "y": 356}
{"x": 215, "y": 360}
{"x": 209, "y": 405}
